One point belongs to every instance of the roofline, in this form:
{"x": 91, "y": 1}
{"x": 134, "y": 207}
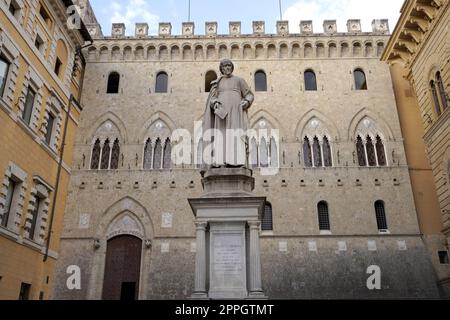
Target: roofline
{"x": 83, "y": 30}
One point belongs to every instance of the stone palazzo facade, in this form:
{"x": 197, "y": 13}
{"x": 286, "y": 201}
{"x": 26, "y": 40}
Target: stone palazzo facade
{"x": 340, "y": 202}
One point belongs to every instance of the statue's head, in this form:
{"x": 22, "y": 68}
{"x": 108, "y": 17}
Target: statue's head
{"x": 224, "y": 63}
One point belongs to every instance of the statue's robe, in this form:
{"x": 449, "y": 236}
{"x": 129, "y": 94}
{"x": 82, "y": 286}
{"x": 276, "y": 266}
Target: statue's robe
{"x": 229, "y": 119}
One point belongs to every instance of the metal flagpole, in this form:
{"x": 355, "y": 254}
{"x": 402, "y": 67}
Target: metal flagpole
{"x": 281, "y": 14}
{"x": 189, "y": 11}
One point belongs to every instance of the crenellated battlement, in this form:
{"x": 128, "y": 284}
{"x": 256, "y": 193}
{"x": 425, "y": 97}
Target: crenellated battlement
{"x": 379, "y": 27}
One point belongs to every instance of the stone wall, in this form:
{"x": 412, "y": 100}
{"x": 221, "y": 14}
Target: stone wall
{"x": 147, "y": 196}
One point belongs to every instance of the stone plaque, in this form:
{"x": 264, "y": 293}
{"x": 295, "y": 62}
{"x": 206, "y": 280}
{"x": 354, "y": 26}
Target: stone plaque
{"x": 342, "y": 246}
{"x": 282, "y": 246}
{"x": 402, "y": 245}
{"x": 372, "y": 245}
{"x": 165, "y": 247}
{"x": 228, "y": 265}
{"x": 193, "y": 247}
{"x": 312, "y": 246}
{"x": 166, "y": 221}
{"x": 84, "y": 221}
{"x": 228, "y": 255}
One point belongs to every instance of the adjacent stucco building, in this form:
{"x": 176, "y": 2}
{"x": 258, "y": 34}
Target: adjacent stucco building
{"x": 419, "y": 55}
{"x": 40, "y": 84}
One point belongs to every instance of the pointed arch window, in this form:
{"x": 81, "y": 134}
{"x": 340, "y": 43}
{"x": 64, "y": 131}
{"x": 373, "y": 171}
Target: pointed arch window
{"x": 437, "y": 107}
{"x": 442, "y": 93}
{"x": 360, "y": 80}
{"x": 115, "y": 154}
{"x": 254, "y": 153}
{"x": 361, "y": 152}
{"x": 106, "y": 153}
{"x": 307, "y": 156}
{"x": 264, "y": 154}
{"x": 267, "y": 221}
{"x": 273, "y": 153}
{"x": 381, "y": 215}
{"x": 327, "y": 159}
{"x": 324, "y": 217}
{"x": 370, "y": 149}
{"x": 148, "y": 154}
{"x": 260, "y": 81}
{"x": 199, "y": 162}
{"x": 95, "y": 158}
{"x": 317, "y": 153}
{"x": 161, "y": 82}
{"x": 113, "y": 83}
{"x": 310, "y": 81}
{"x": 381, "y": 155}
{"x": 167, "y": 160}
{"x": 157, "y": 155}
{"x": 209, "y": 77}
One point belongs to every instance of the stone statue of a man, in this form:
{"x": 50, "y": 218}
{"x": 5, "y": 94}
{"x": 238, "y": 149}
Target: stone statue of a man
{"x": 225, "y": 120}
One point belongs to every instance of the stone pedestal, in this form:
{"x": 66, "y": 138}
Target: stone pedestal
{"x": 228, "y": 219}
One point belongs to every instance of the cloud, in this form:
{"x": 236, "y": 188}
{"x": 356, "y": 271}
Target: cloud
{"x": 342, "y": 10}
{"x": 132, "y": 11}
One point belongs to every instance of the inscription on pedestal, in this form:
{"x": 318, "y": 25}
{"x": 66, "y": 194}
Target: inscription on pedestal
{"x": 228, "y": 255}
{"x": 228, "y": 264}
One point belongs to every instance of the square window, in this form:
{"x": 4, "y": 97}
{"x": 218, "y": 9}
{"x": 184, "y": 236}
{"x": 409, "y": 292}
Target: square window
{"x": 49, "y": 133}
{"x": 39, "y": 44}
{"x": 12, "y": 187}
{"x": 4, "y": 69}
{"x": 24, "y": 291}
{"x": 29, "y": 103}
{"x": 58, "y": 65}
{"x": 44, "y": 14}
{"x": 443, "y": 257}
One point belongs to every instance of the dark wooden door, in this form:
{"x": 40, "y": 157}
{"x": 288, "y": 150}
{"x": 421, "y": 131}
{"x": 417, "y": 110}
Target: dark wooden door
{"x": 122, "y": 268}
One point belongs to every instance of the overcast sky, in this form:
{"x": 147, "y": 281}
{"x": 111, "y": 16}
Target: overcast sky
{"x": 246, "y": 11}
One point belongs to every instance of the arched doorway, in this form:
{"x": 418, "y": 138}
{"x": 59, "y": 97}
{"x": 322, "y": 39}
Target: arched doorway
{"x": 122, "y": 268}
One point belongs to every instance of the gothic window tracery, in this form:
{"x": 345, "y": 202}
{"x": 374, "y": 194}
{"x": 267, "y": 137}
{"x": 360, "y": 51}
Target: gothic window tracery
{"x": 264, "y": 145}
{"x": 106, "y": 148}
{"x": 317, "y": 150}
{"x": 307, "y": 155}
{"x": 317, "y": 153}
{"x": 115, "y": 154}
{"x": 157, "y": 155}
{"x": 95, "y": 159}
{"x": 370, "y": 146}
{"x": 104, "y": 164}
{"x": 148, "y": 154}
{"x": 167, "y": 161}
